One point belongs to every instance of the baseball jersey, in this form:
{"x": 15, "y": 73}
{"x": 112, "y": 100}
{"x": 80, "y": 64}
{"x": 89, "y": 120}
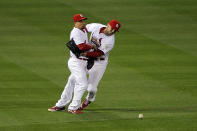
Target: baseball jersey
{"x": 79, "y": 37}
{"x": 106, "y": 43}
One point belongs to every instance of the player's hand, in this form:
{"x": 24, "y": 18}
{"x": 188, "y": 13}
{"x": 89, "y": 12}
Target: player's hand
{"x": 94, "y": 47}
{"x": 83, "y": 54}
{"x": 93, "y": 39}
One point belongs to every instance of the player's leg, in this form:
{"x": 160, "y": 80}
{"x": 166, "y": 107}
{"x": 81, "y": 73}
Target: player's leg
{"x": 95, "y": 75}
{"x": 67, "y": 93}
{"x": 80, "y": 74}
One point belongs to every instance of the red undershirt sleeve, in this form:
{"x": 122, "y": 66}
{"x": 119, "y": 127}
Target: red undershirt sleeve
{"x": 95, "y": 54}
{"x": 84, "y": 47}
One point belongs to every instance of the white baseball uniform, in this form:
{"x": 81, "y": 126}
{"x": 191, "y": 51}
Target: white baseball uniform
{"x": 77, "y": 80}
{"x": 106, "y": 43}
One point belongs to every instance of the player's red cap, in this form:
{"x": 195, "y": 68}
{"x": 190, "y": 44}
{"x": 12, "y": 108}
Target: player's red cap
{"x": 78, "y": 17}
{"x": 115, "y": 24}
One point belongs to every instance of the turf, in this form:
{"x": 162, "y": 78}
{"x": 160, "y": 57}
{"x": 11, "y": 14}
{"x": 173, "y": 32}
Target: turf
{"x": 152, "y": 68}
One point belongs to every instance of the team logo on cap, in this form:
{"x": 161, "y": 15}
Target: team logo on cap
{"x": 117, "y": 25}
{"x": 81, "y": 15}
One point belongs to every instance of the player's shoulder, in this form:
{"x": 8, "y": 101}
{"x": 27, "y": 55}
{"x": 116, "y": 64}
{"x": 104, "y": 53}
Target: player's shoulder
{"x": 75, "y": 30}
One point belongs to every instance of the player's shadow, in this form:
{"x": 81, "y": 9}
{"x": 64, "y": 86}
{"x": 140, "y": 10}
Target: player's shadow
{"x": 166, "y": 109}
{"x": 114, "y": 109}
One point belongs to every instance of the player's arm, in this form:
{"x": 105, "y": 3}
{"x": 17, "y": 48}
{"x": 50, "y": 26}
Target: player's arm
{"x": 86, "y": 47}
{"x": 106, "y": 46}
{"x": 93, "y": 54}
{"x": 82, "y": 45}
{"x": 92, "y": 26}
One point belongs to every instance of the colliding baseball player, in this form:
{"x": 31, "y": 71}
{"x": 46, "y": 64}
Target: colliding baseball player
{"x": 103, "y": 36}
{"x": 77, "y": 81}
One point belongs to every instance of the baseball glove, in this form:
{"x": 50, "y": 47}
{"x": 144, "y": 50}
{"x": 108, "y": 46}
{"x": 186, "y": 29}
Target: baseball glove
{"x": 90, "y": 63}
{"x": 74, "y": 48}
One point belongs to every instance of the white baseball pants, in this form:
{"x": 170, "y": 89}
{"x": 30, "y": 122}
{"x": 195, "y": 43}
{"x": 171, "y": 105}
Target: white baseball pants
{"x": 77, "y": 82}
{"x": 95, "y": 75}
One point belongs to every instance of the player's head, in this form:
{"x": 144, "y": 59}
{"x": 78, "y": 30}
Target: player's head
{"x": 112, "y": 27}
{"x": 79, "y": 21}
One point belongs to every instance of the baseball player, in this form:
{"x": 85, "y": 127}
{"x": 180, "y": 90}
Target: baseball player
{"x": 103, "y": 37}
{"x": 77, "y": 81}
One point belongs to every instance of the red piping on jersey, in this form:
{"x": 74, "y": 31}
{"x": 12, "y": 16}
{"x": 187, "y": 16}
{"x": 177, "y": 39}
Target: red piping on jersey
{"x": 84, "y": 47}
{"x": 86, "y": 29}
{"x": 102, "y": 30}
{"x": 95, "y": 54}
{"x": 100, "y": 40}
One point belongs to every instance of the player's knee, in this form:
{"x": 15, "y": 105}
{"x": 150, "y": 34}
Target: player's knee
{"x": 71, "y": 78}
{"x": 83, "y": 85}
{"x": 92, "y": 89}
{"x": 91, "y": 96}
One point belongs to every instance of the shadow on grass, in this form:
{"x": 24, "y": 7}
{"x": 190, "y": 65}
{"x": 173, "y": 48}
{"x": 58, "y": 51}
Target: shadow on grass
{"x": 151, "y": 109}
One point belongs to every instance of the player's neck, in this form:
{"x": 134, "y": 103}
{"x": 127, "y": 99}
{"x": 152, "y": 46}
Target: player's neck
{"x": 78, "y": 27}
{"x": 105, "y": 32}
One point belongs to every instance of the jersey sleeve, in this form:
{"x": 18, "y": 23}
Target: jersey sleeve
{"x": 107, "y": 45}
{"x": 77, "y": 37}
{"x": 84, "y": 47}
{"x": 91, "y": 27}
{"x": 80, "y": 41}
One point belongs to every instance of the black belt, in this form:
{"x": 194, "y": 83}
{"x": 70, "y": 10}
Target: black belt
{"x": 83, "y": 58}
{"x": 100, "y": 59}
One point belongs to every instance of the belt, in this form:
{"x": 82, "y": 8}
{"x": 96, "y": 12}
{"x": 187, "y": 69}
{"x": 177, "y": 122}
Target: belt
{"x": 83, "y": 58}
{"x": 94, "y": 59}
{"x": 80, "y": 58}
{"x": 100, "y": 59}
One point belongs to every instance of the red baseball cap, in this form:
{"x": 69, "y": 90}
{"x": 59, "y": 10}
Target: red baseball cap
{"x": 115, "y": 24}
{"x": 78, "y": 17}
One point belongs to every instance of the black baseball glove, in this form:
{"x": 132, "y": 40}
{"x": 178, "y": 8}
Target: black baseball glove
{"x": 90, "y": 63}
{"x": 74, "y": 48}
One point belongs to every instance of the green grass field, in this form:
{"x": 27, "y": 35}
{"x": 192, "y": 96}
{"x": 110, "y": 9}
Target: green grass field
{"x": 152, "y": 68}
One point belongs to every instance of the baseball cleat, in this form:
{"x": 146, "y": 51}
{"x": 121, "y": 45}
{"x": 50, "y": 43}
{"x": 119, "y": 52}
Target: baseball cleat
{"x": 75, "y": 111}
{"x": 56, "y": 108}
{"x": 84, "y": 104}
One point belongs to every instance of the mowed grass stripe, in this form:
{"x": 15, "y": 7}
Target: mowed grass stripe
{"x": 125, "y": 124}
{"x": 19, "y": 84}
{"x": 156, "y": 60}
